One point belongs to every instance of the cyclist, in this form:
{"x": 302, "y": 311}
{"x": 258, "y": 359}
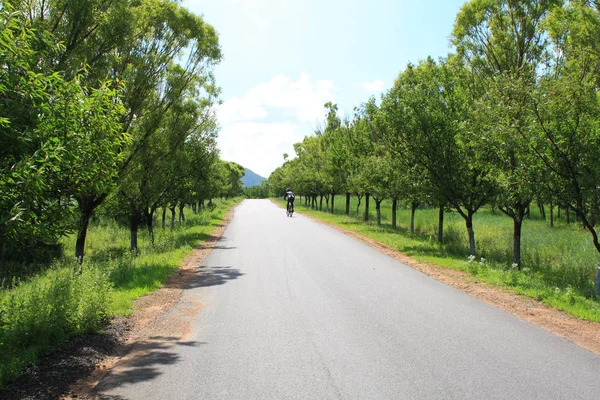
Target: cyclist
{"x": 290, "y": 199}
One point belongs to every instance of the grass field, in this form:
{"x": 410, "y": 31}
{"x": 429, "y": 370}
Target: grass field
{"x": 42, "y": 311}
{"x": 559, "y": 263}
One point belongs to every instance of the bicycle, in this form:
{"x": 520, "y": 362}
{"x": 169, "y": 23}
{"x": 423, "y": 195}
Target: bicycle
{"x": 290, "y": 210}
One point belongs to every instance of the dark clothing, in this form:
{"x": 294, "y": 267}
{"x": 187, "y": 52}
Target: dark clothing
{"x": 290, "y": 198}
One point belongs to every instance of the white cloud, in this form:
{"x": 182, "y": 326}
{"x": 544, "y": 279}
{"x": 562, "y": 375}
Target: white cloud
{"x": 302, "y": 97}
{"x": 372, "y": 87}
{"x": 236, "y": 109}
{"x": 258, "y": 146}
{"x": 252, "y": 133}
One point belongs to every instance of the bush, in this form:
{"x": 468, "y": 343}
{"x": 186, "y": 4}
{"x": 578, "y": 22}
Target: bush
{"x": 48, "y": 309}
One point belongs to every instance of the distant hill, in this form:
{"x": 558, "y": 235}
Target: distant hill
{"x": 251, "y": 178}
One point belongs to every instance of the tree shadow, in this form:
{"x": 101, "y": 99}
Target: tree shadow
{"x": 427, "y": 251}
{"x": 213, "y": 276}
{"x": 193, "y": 238}
{"x": 109, "y": 253}
{"x": 206, "y": 243}
{"x": 145, "y": 363}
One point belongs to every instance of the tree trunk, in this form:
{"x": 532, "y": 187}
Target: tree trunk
{"x": 367, "y": 207}
{"x": 597, "y": 282}
{"x": 413, "y": 208}
{"x": 321, "y": 203}
{"x": 542, "y": 210}
{"x": 181, "y": 214}
{"x": 326, "y": 203}
{"x": 86, "y": 207}
{"x": 202, "y": 204}
{"x": 173, "y": 213}
{"x": 358, "y": 205}
{"x": 133, "y": 229}
{"x": 164, "y": 217}
{"x": 378, "y": 210}
{"x": 194, "y": 207}
{"x": 149, "y": 219}
{"x": 394, "y": 207}
{"x": 85, "y": 214}
{"x": 332, "y": 201}
{"x": 551, "y": 214}
{"x": 517, "y": 224}
{"x": 347, "y": 203}
{"x": 440, "y": 235}
{"x": 471, "y": 232}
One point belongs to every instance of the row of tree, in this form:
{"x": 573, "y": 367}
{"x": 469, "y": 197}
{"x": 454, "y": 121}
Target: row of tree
{"x": 103, "y": 100}
{"x": 509, "y": 119}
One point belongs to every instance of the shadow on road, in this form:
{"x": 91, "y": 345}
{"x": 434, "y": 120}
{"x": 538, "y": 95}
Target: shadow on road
{"x": 144, "y": 362}
{"x": 213, "y": 276}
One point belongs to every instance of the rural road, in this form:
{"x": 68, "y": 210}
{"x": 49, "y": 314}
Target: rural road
{"x": 292, "y": 309}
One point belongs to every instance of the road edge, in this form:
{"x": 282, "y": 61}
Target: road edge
{"x": 147, "y": 314}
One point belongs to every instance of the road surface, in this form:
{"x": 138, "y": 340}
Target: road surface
{"x": 293, "y": 309}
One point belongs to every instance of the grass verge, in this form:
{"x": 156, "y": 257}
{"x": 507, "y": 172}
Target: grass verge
{"x": 558, "y": 262}
{"x": 41, "y": 312}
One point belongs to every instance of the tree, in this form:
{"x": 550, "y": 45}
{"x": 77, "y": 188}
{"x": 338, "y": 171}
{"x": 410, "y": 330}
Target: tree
{"x": 235, "y": 173}
{"x": 183, "y": 130}
{"x": 567, "y": 111}
{"x": 426, "y": 109}
{"x": 162, "y": 32}
{"x": 61, "y": 139}
{"x": 501, "y": 41}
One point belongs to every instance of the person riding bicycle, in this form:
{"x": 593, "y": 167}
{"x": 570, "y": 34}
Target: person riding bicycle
{"x": 290, "y": 198}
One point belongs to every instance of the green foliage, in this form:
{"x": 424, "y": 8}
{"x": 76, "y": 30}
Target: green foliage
{"x": 261, "y": 191}
{"x": 39, "y": 313}
{"x": 58, "y": 139}
{"x": 43, "y": 311}
{"x": 99, "y": 95}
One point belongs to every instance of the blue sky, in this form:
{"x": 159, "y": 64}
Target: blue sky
{"x": 283, "y": 59}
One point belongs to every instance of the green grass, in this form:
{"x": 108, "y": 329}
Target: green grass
{"x": 559, "y": 263}
{"x": 40, "y": 312}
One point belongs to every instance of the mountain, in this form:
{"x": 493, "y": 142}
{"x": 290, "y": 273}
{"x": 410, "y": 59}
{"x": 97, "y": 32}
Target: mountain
{"x": 251, "y": 178}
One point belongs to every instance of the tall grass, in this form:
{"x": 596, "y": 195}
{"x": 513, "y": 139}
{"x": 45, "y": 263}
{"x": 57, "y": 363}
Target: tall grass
{"x": 559, "y": 263}
{"x": 40, "y": 312}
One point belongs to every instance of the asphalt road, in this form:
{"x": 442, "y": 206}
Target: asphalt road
{"x": 293, "y": 309}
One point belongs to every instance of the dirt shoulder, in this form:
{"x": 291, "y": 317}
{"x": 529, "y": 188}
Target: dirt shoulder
{"x": 85, "y": 360}
{"x": 583, "y": 333}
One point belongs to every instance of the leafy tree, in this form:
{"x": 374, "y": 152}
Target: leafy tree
{"x": 567, "y": 110}
{"x": 183, "y": 130}
{"x": 61, "y": 140}
{"x": 235, "y": 173}
{"x": 378, "y": 169}
{"x": 428, "y": 104}
{"x": 261, "y": 191}
{"x": 502, "y": 42}
{"x": 162, "y": 32}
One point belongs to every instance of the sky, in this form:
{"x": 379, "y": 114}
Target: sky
{"x": 284, "y": 59}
